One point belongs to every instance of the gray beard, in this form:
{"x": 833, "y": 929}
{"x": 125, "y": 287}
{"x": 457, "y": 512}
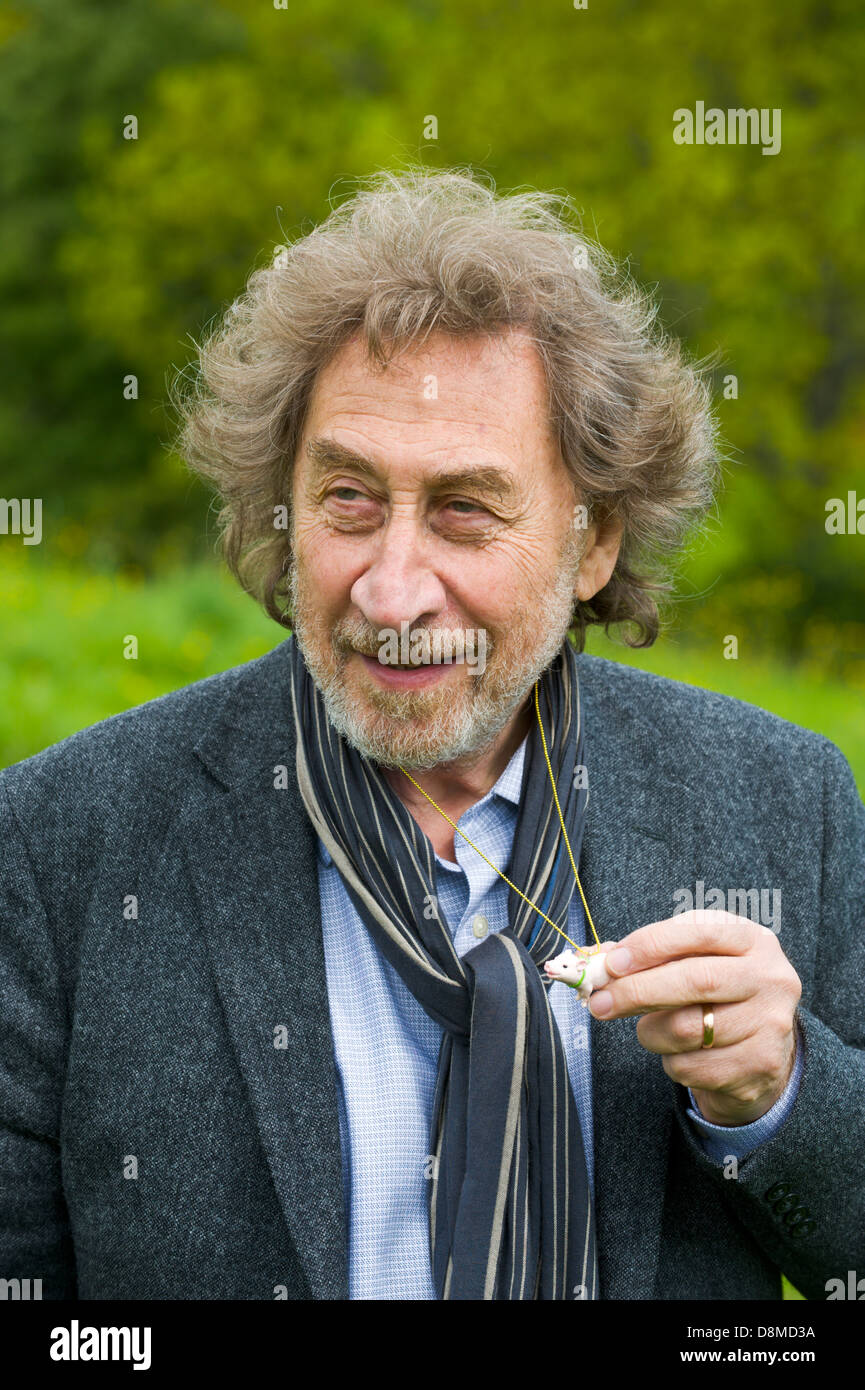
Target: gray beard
{"x": 455, "y": 734}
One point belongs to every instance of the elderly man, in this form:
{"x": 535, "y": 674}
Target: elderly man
{"x": 276, "y": 1021}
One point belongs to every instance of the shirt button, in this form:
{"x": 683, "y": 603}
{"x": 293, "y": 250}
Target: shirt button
{"x": 480, "y": 925}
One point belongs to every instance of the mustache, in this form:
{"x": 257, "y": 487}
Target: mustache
{"x": 357, "y": 635}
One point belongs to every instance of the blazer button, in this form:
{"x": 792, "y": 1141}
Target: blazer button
{"x": 785, "y": 1204}
{"x": 803, "y": 1228}
{"x": 780, "y": 1189}
{"x": 796, "y": 1217}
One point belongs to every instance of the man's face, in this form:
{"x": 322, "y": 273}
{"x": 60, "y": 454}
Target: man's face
{"x": 431, "y": 495}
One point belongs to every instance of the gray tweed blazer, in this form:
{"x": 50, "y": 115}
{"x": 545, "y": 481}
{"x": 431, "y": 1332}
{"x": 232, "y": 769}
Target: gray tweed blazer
{"x": 159, "y": 918}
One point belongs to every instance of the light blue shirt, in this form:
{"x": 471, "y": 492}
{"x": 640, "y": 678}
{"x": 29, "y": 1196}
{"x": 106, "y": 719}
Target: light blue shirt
{"x": 387, "y": 1049}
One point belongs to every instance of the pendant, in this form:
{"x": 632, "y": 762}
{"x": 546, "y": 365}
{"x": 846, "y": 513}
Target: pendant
{"x": 582, "y": 973}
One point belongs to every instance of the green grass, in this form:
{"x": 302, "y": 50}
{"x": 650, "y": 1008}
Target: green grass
{"x": 63, "y": 632}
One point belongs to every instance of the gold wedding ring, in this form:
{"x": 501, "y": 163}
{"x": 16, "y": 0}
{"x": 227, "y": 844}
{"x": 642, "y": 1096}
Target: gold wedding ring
{"x": 708, "y": 1027}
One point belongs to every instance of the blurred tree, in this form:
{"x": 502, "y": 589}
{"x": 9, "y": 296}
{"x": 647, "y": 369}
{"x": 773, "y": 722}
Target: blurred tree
{"x": 67, "y": 434}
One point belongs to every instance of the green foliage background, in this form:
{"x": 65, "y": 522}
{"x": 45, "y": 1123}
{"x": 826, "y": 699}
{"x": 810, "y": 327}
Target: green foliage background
{"x": 252, "y": 119}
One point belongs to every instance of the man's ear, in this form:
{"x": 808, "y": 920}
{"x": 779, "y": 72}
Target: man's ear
{"x": 603, "y": 541}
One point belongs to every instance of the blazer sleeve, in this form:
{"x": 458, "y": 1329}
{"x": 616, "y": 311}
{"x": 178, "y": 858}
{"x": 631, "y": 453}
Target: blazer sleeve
{"x": 802, "y": 1193}
{"x": 35, "y": 1239}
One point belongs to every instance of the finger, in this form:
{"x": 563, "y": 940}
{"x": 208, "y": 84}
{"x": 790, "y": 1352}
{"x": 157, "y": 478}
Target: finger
{"x": 686, "y": 934}
{"x": 718, "y": 1069}
{"x": 671, "y": 1031}
{"x": 695, "y": 980}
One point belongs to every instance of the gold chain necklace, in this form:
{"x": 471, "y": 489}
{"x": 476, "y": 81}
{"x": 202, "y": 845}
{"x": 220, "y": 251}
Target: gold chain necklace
{"x": 582, "y": 949}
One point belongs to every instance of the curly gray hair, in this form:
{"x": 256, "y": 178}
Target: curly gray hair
{"x": 416, "y": 251}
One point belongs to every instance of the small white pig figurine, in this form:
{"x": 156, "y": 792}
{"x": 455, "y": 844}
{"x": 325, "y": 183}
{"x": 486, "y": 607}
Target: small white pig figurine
{"x": 582, "y": 973}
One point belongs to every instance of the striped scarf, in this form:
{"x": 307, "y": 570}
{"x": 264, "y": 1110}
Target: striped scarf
{"x": 510, "y": 1209}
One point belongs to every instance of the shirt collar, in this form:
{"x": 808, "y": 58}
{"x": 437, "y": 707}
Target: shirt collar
{"x": 510, "y": 784}
{"x": 508, "y": 788}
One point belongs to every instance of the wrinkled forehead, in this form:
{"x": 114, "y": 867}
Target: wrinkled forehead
{"x": 487, "y": 383}
{"x": 446, "y": 412}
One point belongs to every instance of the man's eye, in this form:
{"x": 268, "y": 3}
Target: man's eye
{"x": 464, "y": 507}
{"x": 346, "y": 494}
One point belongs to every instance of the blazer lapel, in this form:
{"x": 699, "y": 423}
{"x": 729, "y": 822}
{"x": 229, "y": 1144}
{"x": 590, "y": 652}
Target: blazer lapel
{"x": 634, "y": 847}
{"x": 251, "y": 855}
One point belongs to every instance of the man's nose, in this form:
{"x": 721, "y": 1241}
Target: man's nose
{"x": 400, "y": 585}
